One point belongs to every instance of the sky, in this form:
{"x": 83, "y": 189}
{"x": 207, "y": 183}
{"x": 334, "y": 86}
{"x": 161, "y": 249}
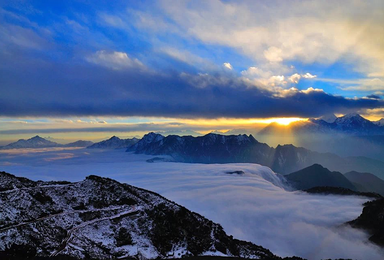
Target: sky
{"x": 94, "y": 68}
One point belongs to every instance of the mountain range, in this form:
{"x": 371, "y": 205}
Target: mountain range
{"x": 349, "y": 135}
{"x": 39, "y": 142}
{"x": 317, "y": 176}
{"x": 215, "y": 148}
{"x": 114, "y": 143}
{"x": 351, "y": 124}
{"x": 99, "y": 218}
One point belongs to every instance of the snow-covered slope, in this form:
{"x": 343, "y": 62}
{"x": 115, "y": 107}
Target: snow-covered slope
{"x": 114, "y": 143}
{"x": 101, "y": 218}
{"x": 355, "y": 124}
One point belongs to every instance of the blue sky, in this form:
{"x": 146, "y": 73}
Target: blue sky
{"x": 190, "y": 59}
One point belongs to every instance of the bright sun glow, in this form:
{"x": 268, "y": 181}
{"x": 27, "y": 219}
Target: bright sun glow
{"x": 280, "y": 121}
{"x": 242, "y": 122}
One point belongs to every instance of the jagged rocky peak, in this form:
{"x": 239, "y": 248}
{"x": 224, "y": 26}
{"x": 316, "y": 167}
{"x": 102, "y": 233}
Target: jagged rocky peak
{"x": 99, "y": 218}
{"x": 37, "y": 139}
{"x": 152, "y": 137}
{"x": 284, "y": 147}
{"x": 356, "y": 124}
{"x": 145, "y": 142}
{"x": 114, "y": 143}
{"x": 241, "y": 138}
{"x": 350, "y": 117}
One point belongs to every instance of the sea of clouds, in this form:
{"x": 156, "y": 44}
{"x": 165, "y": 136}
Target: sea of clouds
{"x": 256, "y": 206}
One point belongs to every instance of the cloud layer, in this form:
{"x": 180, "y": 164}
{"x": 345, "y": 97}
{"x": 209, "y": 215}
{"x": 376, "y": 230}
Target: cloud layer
{"x": 191, "y": 59}
{"x": 114, "y": 84}
{"x": 249, "y": 206}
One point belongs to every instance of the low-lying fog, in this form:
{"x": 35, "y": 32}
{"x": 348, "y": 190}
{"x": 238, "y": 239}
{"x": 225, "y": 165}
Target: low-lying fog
{"x": 254, "y": 206}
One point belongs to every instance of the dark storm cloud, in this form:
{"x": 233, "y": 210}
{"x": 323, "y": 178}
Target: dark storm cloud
{"x": 37, "y": 88}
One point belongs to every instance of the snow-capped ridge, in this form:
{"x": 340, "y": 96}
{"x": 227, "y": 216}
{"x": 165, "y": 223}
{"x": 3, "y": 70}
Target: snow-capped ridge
{"x": 351, "y": 117}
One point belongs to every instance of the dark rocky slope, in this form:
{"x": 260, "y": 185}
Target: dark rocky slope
{"x": 372, "y": 220}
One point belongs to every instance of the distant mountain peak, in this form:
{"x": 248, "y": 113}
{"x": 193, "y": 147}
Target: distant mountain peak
{"x": 329, "y": 118}
{"x": 350, "y": 116}
{"x": 354, "y": 114}
{"x": 152, "y": 136}
{"x": 34, "y": 142}
{"x": 114, "y": 143}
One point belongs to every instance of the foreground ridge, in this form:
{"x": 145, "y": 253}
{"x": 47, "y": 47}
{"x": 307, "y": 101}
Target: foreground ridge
{"x": 99, "y": 218}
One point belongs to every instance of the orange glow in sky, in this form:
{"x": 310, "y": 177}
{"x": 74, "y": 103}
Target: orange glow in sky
{"x": 280, "y": 121}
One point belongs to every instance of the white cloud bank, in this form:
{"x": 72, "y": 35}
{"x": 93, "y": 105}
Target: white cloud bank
{"x": 249, "y": 206}
{"x": 114, "y": 60}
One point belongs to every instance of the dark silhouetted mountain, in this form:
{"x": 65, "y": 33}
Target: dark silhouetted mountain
{"x": 34, "y": 142}
{"x": 371, "y": 220}
{"x": 288, "y": 158}
{"x": 366, "y": 182}
{"x": 210, "y": 148}
{"x": 326, "y": 190}
{"x": 214, "y": 148}
{"x": 114, "y": 143}
{"x": 145, "y": 144}
{"x": 318, "y": 176}
{"x": 99, "y": 218}
{"x": 79, "y": 143}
